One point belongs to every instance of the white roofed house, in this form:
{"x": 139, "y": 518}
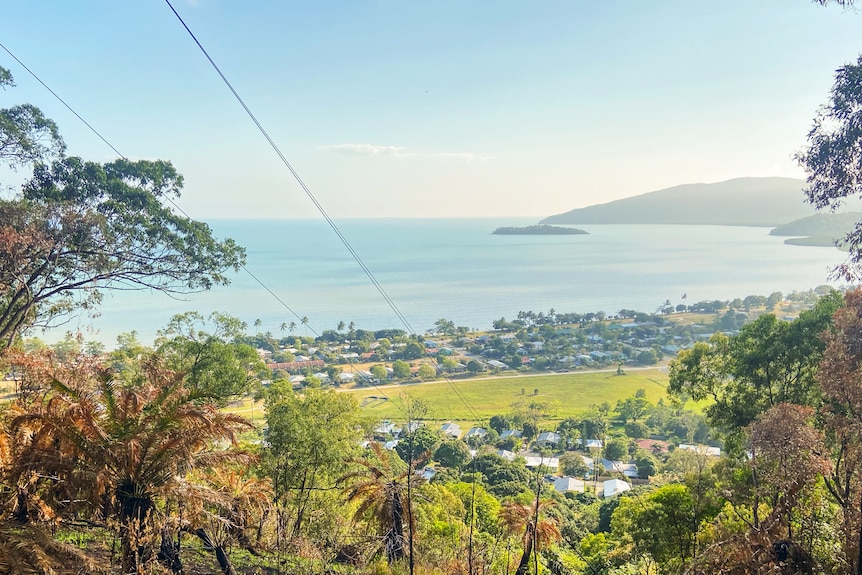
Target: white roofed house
{"x": 701, "y": 449}
{"x": 548, "y": 439}
{"x": 451, "y": 429}
{"x": 566, "y": 483}
{"x": 511, "y": 433}
{"x": 613, "y": 487}
{"x": 475, "y": 432}
{"x": 627, "y": 469}
{"x": 534, "y": 461}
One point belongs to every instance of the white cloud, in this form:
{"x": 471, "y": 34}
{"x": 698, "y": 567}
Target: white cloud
{"x": 401, "y": 152}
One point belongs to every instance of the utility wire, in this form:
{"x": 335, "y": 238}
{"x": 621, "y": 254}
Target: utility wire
{"x": 313, "y": 198}
{"x": 296, "y": 176}
{"x": 168, "y": 198}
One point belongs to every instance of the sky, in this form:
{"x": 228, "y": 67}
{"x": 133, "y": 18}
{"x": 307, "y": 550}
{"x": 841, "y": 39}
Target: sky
{"x": 448, "y": 108}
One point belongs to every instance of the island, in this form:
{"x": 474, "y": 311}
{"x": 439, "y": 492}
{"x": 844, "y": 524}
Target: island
{"x": 541, "y": 229}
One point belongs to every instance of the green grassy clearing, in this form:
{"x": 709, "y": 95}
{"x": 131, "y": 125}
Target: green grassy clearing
{"x": 568, "y": 394}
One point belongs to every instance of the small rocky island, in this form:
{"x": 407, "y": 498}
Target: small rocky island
{"x": 539, "y": 230}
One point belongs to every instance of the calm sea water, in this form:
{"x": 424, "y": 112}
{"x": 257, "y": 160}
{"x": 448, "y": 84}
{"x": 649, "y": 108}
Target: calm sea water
{"x": 455, "y": 268}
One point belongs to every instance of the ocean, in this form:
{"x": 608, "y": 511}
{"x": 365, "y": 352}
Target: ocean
{"x": 456, "y": 269}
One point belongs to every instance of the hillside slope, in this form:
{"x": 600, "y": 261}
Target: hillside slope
{"x": 739, "y": 202}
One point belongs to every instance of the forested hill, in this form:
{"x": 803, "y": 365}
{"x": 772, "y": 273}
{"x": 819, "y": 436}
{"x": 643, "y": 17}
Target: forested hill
{"x": 738, "y": 202}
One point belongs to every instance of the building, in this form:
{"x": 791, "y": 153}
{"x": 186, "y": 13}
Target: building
{"x": 613, "y": 487}
{"x": 451, "y": 429}
{"x": 565, "y": 484}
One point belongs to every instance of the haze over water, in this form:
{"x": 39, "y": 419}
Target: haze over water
{"x": 455, "y": 268}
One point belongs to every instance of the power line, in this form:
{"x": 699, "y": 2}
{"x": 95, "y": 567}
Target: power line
{"x": 296, "y": 176}
{"x": 313, "y": 198}
{"x": 168, "y": 198}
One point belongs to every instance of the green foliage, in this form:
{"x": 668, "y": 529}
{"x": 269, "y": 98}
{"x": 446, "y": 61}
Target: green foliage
{"x": 769, "y": 362}
{"x": 418, "y": 445}
{"x": 309, "y": 437}
{"x": 662, "y": 523}
{"x": 79, "y": 227}
{"x": 452, "y": 453}
{"x": 573, "y": 465}
{"x": 426, "y": 372}
{"x": 617, "y": 449}
{"x": 833, "y": 156}
{"x": 26, "y": 135}
{"x": 204, "y": 350}
{"x": 400, "y": 369}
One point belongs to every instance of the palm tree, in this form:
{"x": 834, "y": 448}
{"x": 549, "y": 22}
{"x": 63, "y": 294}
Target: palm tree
{"x": 537, "y": 532}
{"x": 221, "y": 506}
{"x": 304, "y": 321}
{"x": 283, "y": 327}
{"x": 118, "y": 448}
{"x": 292, "y": 327}
{"x": 340, "y": 326}
{"x": 380, "y": 488}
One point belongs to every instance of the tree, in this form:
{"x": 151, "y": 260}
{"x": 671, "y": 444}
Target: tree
{"x": 662, "y": 523}
{"x": 444, "y": 327}
{"x": 499, "y": 423}
{"x": 840, "y": 377}
{"x": 79, "y": 227}
{"x": 573, "y": 465}
{"x": 833, "y": 157}
{"x": 474, "y": 367}
{"x": 537, "y": 532}
{"x": 616, "y": 449}
{"x": 378, "y": 485}
{"x": 452, "y": 453}
{"x": 400, "y": 369}
{"x": 310, "y": 435}
{"x": 116, "y": 448}
{"x": 26, "y": 135}
{"x": 768, "y": 363}
{"x": 426, "y": 372}
{"x": 413, "y": 350}
{"x": 379, "y": 372}
{"x": 417, "y": 445}
{"x": 204, "y": 350}
{"x": 632, "y": 408}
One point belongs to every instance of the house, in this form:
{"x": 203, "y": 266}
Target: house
{"x": 548, "y": 439}
{"x": 613, "y": 487}
{"x": 390, "y": 445}
{"x": 451, "y": 429}
{"x": 297, "y": 366}
{"x": 511, "y": 433}
{"x": 655, "y": 446}
{"x": 701, "y": 449}
{"x": 590, "y": 443}
{"x": 385, "y": 427}
{"x": 497, "y": 364}
{"x": 477, "y": 432}
{"x": 534, "y": 461}
{"x": 627, "y": 469}
{"x": 427, "y": 473}
{"x": 506, "y": 454}
{"x": 565, "y": 484}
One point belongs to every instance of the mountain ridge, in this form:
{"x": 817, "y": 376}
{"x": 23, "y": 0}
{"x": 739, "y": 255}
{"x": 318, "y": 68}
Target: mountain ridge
{"x": 760, "y": 202}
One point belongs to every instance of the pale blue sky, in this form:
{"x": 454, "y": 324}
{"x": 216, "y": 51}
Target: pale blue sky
{"x": 445, "y": 108}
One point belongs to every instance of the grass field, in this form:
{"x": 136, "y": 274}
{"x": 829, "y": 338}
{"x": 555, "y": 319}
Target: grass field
{"x": 568, "y": 394}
